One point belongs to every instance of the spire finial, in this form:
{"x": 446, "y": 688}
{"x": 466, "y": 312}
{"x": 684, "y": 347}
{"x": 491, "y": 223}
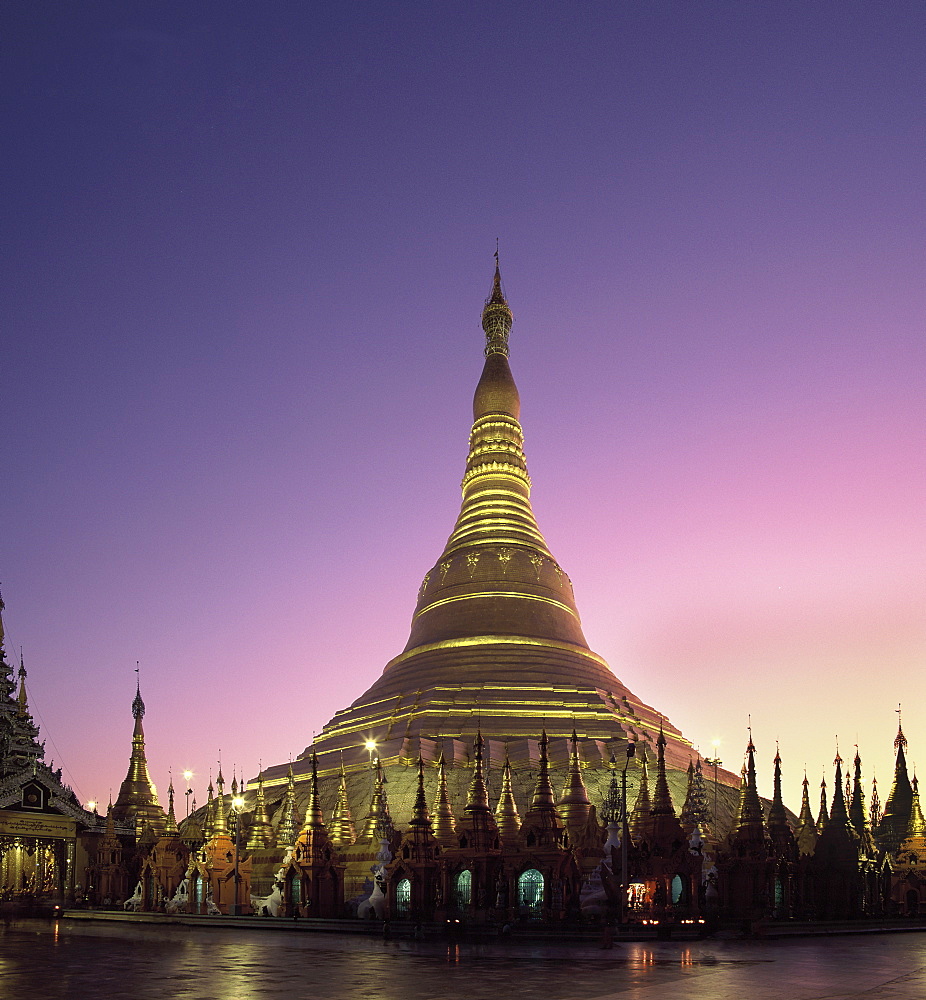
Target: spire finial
{"x": 138, "y": 706}
{"x": 496, "y": 316}
{"x": 900, "y": 740}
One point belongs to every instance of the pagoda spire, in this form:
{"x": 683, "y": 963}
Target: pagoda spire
{"x": 543, "y": 799}
{"x": 506, "y": 812}
{"x": 858, "y": 811}
{"x": 287, "y": 831}
{"x": 260, "y": 835}
{"x": 478, "y": 824}
{"x": 823, "y": 816}
{"x": 497, "y": 317}
{"x": 342, "y": 823}
{"x": 219, "y": 824}
{"x": 23, "y": 710}
{"x": 378, "y": 823}
{"x": 777, "y": 818}
{"x": 574, "y": 805}
{"x": 839, "y": 814}
{"x": 896, "y": 816}
{"x": 171, "y": 826}
{"x": 641, "y": 817}
{"x": 750, "y": 822}
{"x": 419, "y": 844}
{"x": 444, "y": 825}
{"x": 314, "y": 820}
{"x": 662, "y": 798}
{"x": 875, "y": 803}
{"x": 917, "y": 825}
{"x": 138, "y": 799}
{"x": 806, "y": 827}
{"x": 209, "y": 815}
{"x": 496, "y": 557}
{"x": 478, "y": 801}
{"x": 421, "y": 817}
{"x": 696, "y": 813}
{"x": 665, "y": 825}
{"x": 542, "y": 826}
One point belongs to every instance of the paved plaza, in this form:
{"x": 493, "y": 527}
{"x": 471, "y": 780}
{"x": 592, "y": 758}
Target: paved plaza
{"x": 142, "y": 962}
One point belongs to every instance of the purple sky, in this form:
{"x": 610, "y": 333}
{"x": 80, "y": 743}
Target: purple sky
{"x": 246, "y": 248}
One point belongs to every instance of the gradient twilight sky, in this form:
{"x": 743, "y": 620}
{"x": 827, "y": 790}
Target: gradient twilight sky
{"x": 246, "y": 249}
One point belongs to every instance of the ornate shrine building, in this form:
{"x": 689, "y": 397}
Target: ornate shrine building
{"x": 43, "y": 828}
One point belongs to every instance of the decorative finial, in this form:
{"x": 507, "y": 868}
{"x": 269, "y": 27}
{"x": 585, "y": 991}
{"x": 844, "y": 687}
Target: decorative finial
{"x": 900, "y": 740}
{"x": 496, "y": 316}
{"x": 138, "y": 706}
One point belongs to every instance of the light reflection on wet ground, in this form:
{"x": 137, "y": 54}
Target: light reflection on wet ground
{"x": 86, "y": 960}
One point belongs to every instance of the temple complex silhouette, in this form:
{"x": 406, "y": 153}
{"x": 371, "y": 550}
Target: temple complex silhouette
{"x": 497, "y": 771}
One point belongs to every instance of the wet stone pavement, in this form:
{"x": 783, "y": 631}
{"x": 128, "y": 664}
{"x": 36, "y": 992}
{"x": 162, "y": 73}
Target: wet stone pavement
{"x": 86, "y": 960}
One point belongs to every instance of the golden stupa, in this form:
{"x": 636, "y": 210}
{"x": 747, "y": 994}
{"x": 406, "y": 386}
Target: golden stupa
{"x": 496, "y": 643}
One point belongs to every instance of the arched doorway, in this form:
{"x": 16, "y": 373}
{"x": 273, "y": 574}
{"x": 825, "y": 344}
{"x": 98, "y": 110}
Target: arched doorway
{"x": 463, "y": 889}
{"x": 530, "y": 894}
{"x": 403, "y": 899}
{"x": 295, "y": 891}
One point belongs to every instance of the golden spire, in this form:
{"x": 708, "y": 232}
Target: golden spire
{"x": 750, "y": 820}
{"x": 286, "y": 831}
{"x": 574, "y": 805}
{"x": 640, "y": 818}
{"x": 543, "y": 799}
{"x": 261, "y": 833}
{"x": 378, "y": 823}
{"x": 506, "y": 812}
{"x": 896, "y": 815}
{"x": 542, "y": 826}
{"x": 662, "y": 798}
{"x": 824, "y": 815}
{"x": 444, "y": 825}
{"x": 496, "y": 559}
{"x": 777, "y": 818}
{"x": 917, "y": 825}
{"x": 477, "y": 826}
{"x": 478, "y": 793}
{"x": 839, "y": 815}
{"x": 138, "y": 800}
{"x": 209, "y": 815}
{"x": 420, "y": 815}
{"x": 342, "y": 823}
{"x": 858, "y": 810}
{"x": 806, "y": 827}
{"x": 171, "y": 826}
{"x": 219, "y": 826}
{"x": 497, "y": 317}
{"x": 314, "y": 820}
{"x": 875, "y": 802}
{"x": 23, "y": 710}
